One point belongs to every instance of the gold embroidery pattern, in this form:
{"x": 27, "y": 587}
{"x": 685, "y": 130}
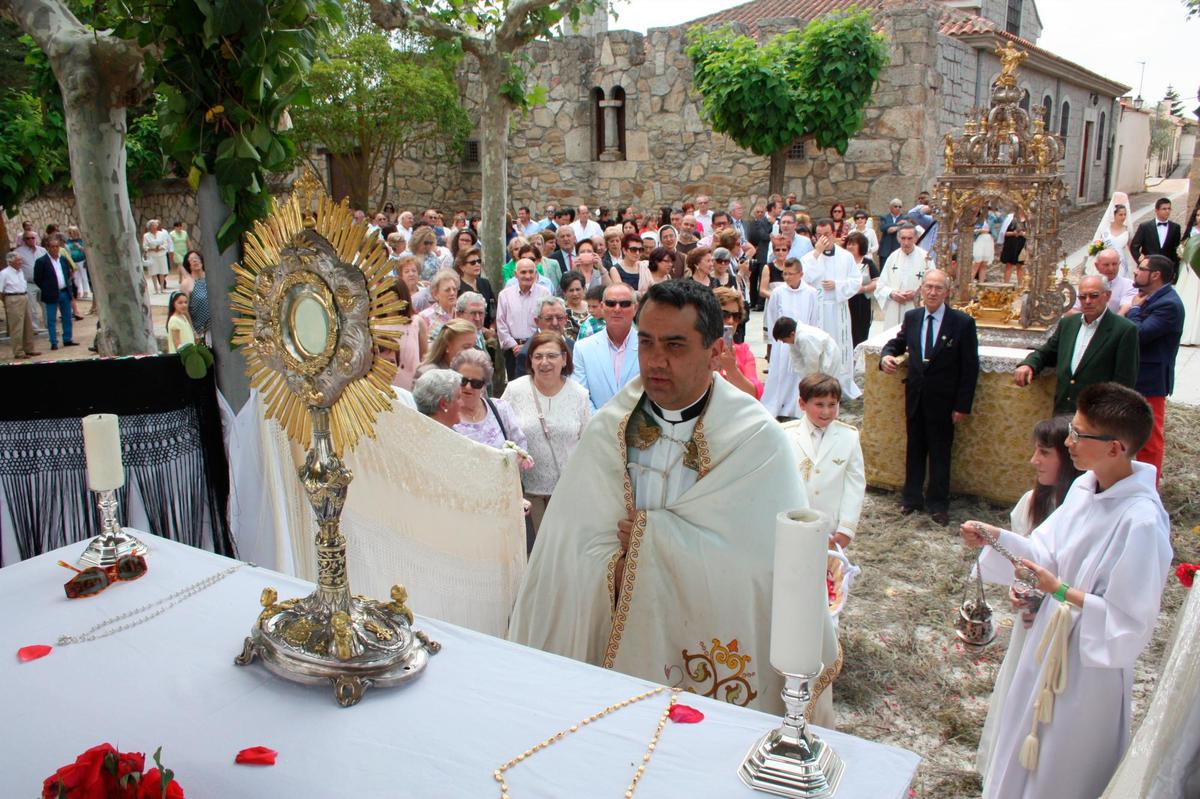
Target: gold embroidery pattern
{"x": 823, "y": 681}
{"x": 703, "y": 456}
{"x": 621, "y": 612}
{"x": 644, "y": 431}
{"x": 611, "y": 579}
{"x": 705, "y": 668}
{"x": 806, "y": 467}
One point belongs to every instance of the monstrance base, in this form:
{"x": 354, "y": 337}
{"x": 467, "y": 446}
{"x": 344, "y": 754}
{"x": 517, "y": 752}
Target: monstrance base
{"x": 298, "y": 641}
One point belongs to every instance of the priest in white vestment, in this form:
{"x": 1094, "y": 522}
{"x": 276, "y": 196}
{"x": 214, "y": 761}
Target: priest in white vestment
{"x": 1102, "y": 557}
{"x": 797, "y": 301}
{"x": 655, "y": 555}
{"x": 833, "y": 273}
{"x": 898, "y": 288}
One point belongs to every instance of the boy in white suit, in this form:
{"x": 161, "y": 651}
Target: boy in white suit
{"x": 830, "y": 457}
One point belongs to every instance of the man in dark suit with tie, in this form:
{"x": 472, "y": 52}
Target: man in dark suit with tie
{"x": 1157, "y": 313}
{"x": 52, "y": 274}
{"x": 1096, "y": 346}
{"x": 1158, "y": 236}
{"x": 943, "y": 368}
{"x": 564, "y": 237}
{"x": 889, "y": 226}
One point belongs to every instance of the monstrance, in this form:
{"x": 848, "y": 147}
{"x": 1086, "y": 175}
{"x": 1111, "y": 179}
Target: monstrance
{"x": 313, "y": 308}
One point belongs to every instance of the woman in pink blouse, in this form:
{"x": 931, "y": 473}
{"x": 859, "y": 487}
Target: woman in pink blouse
{"x": 739, "y": 367}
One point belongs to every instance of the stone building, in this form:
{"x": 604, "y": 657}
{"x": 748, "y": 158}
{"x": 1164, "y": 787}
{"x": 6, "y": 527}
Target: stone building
{"x": 621, "y": 124}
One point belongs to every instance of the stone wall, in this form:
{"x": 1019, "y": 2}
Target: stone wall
{"x": 957, "y": 63}
{"x": 671, "y": 154}
{"x": 167, "y": 201}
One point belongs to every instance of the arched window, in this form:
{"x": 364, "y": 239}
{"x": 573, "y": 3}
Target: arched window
{"x": 1064, "y": 120}
{"x": 597, "y": 122}
{"x": 1100, "y": 138}
{"x": 618, "y": 96}
{"x": 1047, "y": 110}
{"x": 1024, "y": 104}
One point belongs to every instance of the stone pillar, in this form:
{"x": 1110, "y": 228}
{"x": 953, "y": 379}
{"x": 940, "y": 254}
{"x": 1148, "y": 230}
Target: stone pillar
{"x": 612, "y": 137}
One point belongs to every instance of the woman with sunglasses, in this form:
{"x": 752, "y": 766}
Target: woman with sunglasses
{"x": 630, "y": 269}
{"x": 737, "y": 363}
{"x": 838, "y": 213}
{"x": 469, "y": 266}
{"x": 484, "y": 420}
{"x": 552, "y": 411}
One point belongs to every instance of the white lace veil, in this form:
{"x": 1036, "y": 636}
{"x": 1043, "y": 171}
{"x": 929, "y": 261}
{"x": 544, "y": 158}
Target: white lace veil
{"x": 1118, "y": 198}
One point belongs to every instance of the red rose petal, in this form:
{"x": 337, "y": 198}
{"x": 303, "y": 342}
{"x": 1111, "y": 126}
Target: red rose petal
{"x": 256, "y": 756}
{"x": 28, "y": 653}
{"x": 685, "y": 714}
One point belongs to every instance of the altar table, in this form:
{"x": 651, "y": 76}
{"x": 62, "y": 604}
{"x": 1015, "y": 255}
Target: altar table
{"x": 481, "y": 701}
{"x": 991, "y": 447}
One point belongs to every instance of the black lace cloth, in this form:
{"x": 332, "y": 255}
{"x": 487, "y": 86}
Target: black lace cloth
{"x": 171, "y": 446}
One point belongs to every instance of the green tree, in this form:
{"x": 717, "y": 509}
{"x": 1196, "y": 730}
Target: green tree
{"x": 30, "y": 158}
{"x": 1171, "y": 98}
{"x": 371, "y": 100}
{"x": 494, "y": 32}
{"x": 814, "y": 82}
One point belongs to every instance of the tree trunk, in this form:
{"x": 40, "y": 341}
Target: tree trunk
{"x": 229, "y": 363}
{"x": 100, "y": 76}
{"x": 493, "y": 158}
{"x": 778, "y": 166}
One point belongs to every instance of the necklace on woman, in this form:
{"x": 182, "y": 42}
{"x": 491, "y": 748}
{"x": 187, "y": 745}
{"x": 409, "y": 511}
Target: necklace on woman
{"x": 145, "y": 613}
{"x": 558, "y": 736}
{"x": 474, "y": 416}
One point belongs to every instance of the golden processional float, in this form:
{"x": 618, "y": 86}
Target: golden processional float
{"x": 1005, "y": 159}
{"x": 314, "y": 308}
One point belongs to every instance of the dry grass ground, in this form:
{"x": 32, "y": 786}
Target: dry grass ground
{"x": 906, "y": 680}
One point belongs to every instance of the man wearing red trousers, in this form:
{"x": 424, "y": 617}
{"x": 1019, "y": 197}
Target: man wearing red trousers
{"x": 1158, "y": 314}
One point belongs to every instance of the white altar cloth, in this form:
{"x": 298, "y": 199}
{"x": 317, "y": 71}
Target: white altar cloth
{"x": 172, "y": 682}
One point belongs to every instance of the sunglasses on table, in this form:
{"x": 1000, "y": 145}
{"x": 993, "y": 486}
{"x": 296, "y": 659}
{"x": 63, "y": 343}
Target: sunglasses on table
{"x": 474, "y": 382}
{"x": 94, "y": 579}
{"x": 615, "y": 303}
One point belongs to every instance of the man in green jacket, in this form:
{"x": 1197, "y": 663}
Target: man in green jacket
{"x": 1096, "y": 346}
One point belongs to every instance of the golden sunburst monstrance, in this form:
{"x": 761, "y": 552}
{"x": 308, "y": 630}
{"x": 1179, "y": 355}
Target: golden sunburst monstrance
{"x": 314, "y": 308}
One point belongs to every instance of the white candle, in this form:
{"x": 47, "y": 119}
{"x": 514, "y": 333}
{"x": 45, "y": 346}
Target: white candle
{"x": 799, "y": 602}
{"x": 102, "y": 447}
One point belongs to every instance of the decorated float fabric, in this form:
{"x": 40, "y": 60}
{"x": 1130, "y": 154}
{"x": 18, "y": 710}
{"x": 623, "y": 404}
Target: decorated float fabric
{"x": 177, "y": 476}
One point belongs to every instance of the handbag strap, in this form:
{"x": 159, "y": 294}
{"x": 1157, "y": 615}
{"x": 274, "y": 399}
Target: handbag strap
{"x": 499, "y": 421}
{"x": 542, "y": 421}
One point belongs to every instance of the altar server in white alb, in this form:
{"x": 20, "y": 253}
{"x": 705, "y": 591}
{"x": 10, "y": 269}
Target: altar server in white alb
{"x": 1102, "y": 558}
{"x": 655, "y": 555}
{"x": 796, "y": 300}
{"x": 833, "y": 273}
{"x": 898, "y": 289}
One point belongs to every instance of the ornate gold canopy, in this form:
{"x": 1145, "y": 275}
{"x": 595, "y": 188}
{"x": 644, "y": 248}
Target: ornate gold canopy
{"x": 1005, "y": 158}
{"x": 314, "y": 308}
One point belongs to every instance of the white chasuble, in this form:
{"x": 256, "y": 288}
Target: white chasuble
{"x": 1114, "y": 546}
{"x": 800, "y": 304}
{"x": 834, "y": 308}
{"x": 694, "y": 606}
{"x": 901, "y": 273}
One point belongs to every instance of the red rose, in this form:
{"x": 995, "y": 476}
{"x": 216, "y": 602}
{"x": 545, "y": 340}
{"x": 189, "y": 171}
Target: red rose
{"x": 125, "y": 785}
{"x": 1186, "y": 572}
{"x": 151, "y": 787}
{"x": 83, "y": 779}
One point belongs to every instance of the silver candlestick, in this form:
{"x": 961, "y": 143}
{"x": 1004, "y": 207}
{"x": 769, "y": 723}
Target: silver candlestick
{"x": 791, "y": 760}
{"x": 113, "y": 543}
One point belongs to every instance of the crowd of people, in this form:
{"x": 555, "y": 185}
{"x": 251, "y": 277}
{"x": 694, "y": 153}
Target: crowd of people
{"x": 631, "y": 329}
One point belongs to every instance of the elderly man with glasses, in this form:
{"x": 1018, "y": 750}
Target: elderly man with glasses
{"x": 551, "y": 315}
{"x": 29, "y": 250}
{"x": 889, "y": 226}
{"x": 1096, "y": 346}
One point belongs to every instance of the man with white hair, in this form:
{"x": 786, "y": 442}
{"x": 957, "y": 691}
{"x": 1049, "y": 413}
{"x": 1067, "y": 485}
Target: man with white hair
{"x": 551, "y": 316}
{"x": 15, "y": 292}
{"x": 438, "y": 395}
{"x": 29, "y": 249}
{"x": 703, "y": 215}
{"x": 515, "y": 310}
{"x": 472, "y": 307}
{"x": 1086, "y": 348}
{"x": 404, "y": 226}
{"x": 584, "y": 227}
{"x": 1108, "y": 263}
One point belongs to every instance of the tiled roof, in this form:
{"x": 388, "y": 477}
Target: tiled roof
{"x": 953, "y": 22}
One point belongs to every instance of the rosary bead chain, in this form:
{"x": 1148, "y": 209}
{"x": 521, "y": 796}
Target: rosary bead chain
{"x": 498, "y": 774}
{"x": 141, "y": 615}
